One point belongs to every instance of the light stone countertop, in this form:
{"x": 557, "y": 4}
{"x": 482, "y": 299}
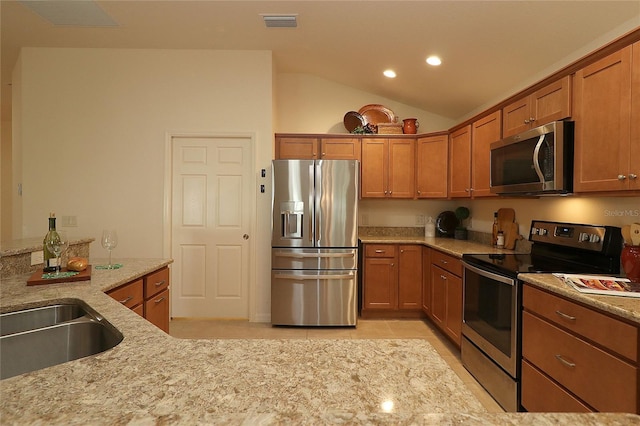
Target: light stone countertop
{"x": 624, "y": 307}
{"x": 448, "y": 245}
{"x": 152, "y": 378}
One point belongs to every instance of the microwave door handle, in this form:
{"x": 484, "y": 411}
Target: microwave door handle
{"x": 536, "y": 161}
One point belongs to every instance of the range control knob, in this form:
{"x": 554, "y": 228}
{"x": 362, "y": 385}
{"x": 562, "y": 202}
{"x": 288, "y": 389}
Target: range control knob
{"x": 594, "y": 238}
{"x": 542, "y": 231}
{"x": 583, "y": 237}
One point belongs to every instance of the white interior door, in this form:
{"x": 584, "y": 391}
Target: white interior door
{"x": 210, "y": 225}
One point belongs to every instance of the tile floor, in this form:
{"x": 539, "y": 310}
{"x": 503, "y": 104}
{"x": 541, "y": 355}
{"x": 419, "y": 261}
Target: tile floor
{"x": 366, "y": 329}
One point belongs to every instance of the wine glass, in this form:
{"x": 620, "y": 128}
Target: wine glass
{"x": 58, "y": 245}
{"x": 109, "y": 242}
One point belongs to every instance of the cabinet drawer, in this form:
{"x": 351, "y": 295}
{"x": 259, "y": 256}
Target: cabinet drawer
{"x": 447, "y": 262}
{"x": 542, "y": 395}
{"x": 156, "y": 282}
{"x": 609, "y": 332}
{"x": 603, "y": 381}
{"x": 156, "y": 310}
{"x": 129, "y": 295}
{"x": 380, "y": 250}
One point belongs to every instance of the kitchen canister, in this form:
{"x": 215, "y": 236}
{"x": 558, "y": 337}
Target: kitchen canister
{"x": 410, "y": 126}
{"x": 630, "y": 259}
{"x": 430, "y": 228}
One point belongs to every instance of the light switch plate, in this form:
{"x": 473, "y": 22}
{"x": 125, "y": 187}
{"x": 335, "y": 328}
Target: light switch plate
{"x": 37, "y": 257}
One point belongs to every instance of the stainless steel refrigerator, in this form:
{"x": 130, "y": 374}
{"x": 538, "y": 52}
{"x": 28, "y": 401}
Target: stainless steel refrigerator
{"x": 314, "y": 255}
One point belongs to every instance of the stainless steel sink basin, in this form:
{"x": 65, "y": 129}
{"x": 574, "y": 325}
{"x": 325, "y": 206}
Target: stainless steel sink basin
{"x": 30, "y": 319}
{"x": 47, "y": 339}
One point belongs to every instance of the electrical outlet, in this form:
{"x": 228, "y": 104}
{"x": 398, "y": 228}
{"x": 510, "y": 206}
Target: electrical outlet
{"x": 37, "y": 257}
{"x": 420, "y": 219}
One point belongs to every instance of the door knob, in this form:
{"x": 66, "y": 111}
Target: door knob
{"x": 245, "y": 237}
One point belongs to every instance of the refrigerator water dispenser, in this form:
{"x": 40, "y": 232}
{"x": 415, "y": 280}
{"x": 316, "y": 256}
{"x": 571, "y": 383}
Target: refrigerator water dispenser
{"x": 291, "y": 213}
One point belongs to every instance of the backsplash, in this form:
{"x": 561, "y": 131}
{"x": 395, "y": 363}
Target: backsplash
{"x": 16, "y": 259}
{"x": 522, "y": 245}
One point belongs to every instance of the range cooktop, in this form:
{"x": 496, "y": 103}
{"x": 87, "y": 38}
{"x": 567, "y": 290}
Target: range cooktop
{"x": 559, "y": 247}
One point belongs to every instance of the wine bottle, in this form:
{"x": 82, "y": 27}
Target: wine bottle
{"x": 494, "y": 234}
{"x": 50, "y": 259}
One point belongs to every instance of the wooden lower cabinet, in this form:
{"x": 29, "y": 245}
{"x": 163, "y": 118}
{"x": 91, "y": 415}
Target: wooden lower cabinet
{"x": 392, "y": 280}
{"x": 148, "y": 297}
{"x": 568, "y": 364}
{"x": 445, "y": 308}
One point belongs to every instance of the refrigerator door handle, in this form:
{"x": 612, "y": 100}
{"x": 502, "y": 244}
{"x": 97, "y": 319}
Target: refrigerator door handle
{"x": 315, "y": 255}
{"x": 314, "y": 277}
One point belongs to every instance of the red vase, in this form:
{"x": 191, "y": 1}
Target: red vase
{"x": 410, "y": 126}
{"x": 630, "y": 258}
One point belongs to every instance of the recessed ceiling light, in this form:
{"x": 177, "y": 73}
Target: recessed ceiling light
{"x": 434, "y": 60}
{"x": 389, "y": 73}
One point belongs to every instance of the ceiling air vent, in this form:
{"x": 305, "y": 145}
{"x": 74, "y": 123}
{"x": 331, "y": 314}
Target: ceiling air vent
{"x": 280, "y": 21}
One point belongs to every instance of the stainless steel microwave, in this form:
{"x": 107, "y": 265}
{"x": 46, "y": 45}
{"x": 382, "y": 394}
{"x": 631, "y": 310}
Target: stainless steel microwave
{"x": 536, "y": 162}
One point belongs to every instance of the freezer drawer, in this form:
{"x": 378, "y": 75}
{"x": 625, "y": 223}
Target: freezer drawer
{"x": 314, "y": 298}
{"x": 315, "y": 259}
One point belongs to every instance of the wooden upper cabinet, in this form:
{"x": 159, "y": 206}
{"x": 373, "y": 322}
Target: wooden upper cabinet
{"x": 484, "y": 132}
{"x": 432, "y": 166}
{"x": 551, "y": 103}
{"x": 340, "y": 149}
{"x": 388, "y": 168}
{"x": 402, "y": 168}
{"x": 460, "y": 163}
{"x": 297, "y": 148}
{"x": 311, "y": 147}
{"x": 375, "y": 168}
{"x": 607, "y": 145}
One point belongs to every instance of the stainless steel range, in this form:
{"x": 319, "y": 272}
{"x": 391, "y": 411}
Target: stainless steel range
{"x": 492, "y": 311}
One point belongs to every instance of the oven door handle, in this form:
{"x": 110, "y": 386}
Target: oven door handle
{"x": 492, "y": 276}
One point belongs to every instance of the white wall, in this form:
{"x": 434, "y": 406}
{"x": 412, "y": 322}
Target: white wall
{"x": 308, "y": 104}
{"x": 93, "y": 126}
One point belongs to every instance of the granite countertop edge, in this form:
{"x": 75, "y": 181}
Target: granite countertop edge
{"x": 144, "y": 378}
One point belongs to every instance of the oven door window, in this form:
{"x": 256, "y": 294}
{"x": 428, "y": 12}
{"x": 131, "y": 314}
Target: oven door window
{"x": 489, "y": 309}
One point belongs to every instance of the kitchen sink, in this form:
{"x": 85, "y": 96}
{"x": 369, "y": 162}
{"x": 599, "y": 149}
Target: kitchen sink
{"x": 30, "y": 319}
{"x": 38, "y": 338}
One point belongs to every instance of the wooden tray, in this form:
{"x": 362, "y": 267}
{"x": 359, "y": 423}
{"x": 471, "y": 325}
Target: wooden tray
{"x": 36, "y": 278}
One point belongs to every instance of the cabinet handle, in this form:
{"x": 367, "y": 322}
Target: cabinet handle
{"x": 566, "y": 316}
{"x": 621, "y": 177}
{"x": 324, "y": 153}
{"x": 393, "y": 264}
{"x": 158, "y": 284}
{"x": 633, "y": 176}
{"x": 532, "y": 119}
{"x": 443, "y": 277}
{"x": 126, "y": 300}
{"x": 526, "y": 121}
{"x": 565, "y": 362}
{"x": 159, "y": 300}
{"x": 379, "y": 251}
{"x": 401, "y": 251}
{"x": 419, "y": 192}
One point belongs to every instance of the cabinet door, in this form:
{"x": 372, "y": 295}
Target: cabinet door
{"x": 432, "y": 166}
{"x": 453, "y": 323}
{"x": 380, "y": 283}
{"x": 460, "y": 163}
{"x": 402, "y": 176}
{"x": 426, "y": 281}
{"x": 375, "y": 168}
{"x": 130, "y": 295}
{"x": 602, "y": 112}
{"x": 340, "y": 149}
{"x": 551, "y": 103}
{"x": 634, "y": 164}
{"x": 438, "y": 295}
{"x": 410, "y": 277}
{"x": 485, "y": 131}
{"x": 515, "y": 117}
{"x": 156, "y": 310}
{"x": 304, "y": 148}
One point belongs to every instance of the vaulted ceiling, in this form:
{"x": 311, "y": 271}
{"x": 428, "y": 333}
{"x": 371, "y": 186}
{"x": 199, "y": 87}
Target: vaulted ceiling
{"x": 488, "y": 48}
